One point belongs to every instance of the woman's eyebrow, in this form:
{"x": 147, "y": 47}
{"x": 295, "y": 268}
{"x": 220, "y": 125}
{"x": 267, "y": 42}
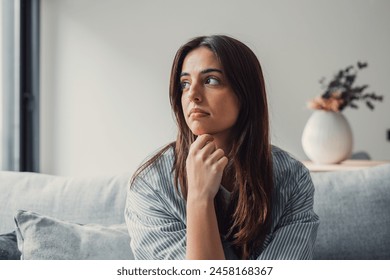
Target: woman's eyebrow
{"x": 205, "y": 71}
{"x": 211, "y": 70}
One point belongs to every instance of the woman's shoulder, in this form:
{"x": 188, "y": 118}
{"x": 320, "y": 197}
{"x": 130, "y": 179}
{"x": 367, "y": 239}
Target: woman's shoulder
{"x": 153, "y": 183}
{"x": 286, "y": 166}
{"x": 160, "y": 161}
{"x": 156, "y": 171}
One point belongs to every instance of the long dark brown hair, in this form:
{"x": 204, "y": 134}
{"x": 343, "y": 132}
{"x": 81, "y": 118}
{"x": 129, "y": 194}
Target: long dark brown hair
{"x": 246, "y": 221}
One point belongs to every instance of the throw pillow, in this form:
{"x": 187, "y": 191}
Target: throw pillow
{"x": 8, "y": 247}
{"x": 45, "y": 238}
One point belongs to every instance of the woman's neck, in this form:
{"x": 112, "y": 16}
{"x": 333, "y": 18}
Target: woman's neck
{"x": 222, "y": 141}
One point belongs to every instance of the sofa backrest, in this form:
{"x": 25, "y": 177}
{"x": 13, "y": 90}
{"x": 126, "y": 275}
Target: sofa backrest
{"x": 79, "y": 200}
{"x": 354, "y": 211}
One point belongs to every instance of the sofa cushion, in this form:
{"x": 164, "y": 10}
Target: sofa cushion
{"x": 8, "y": 247}
{"x": 354, "y": 211}
{"x": 44, "y": 238}
{"x": 99, "y": 200}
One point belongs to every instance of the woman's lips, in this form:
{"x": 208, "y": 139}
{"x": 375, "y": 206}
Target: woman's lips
{"x": 198, "y": 113}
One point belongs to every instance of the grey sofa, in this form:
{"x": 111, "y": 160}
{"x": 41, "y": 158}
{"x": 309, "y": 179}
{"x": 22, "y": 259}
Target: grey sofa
{"x": 74, "y": 218}
{"x": 354, "y": 210}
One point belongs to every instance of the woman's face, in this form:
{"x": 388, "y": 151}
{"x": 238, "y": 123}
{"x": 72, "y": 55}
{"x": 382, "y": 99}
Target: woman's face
{"x": 209, "y": 104}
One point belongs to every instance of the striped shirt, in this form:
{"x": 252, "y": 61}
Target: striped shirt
{"x": 155, "y": 213}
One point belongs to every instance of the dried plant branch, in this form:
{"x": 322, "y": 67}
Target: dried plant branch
{"x": 341, "y": 92}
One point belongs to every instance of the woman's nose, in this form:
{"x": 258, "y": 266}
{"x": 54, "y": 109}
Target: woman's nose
{"x": 195, "y": 92}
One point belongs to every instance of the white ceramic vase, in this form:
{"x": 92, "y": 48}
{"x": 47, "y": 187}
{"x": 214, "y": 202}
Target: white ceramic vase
{"x": 327, "y": 137}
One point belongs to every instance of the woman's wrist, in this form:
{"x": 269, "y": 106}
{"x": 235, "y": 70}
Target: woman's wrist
{"x": 200, "y": 200}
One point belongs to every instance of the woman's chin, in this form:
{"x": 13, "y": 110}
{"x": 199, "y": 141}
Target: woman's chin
{"x": 198, "y": 132}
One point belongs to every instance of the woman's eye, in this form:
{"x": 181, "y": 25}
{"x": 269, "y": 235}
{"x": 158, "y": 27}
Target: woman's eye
{"x": 184, "y": 85}
{"x": 212, "y": 81}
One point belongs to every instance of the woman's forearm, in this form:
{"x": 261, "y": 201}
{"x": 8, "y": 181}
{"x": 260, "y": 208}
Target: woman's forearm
{"x": 204, "y": 165}
{"x": 203, "y": 239}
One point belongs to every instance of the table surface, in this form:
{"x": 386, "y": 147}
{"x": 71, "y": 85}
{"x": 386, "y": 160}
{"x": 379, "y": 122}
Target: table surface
{"x": 350, "y": 164}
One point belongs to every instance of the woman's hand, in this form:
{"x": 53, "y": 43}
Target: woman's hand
{"x": 205, "y": 164}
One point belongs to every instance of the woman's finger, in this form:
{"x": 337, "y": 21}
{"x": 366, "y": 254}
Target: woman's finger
{"x": 201, "y": 141}
{"x": 221, "y": 163}
{"x": 208, "y": 149}
{"x": 216, "y": 155}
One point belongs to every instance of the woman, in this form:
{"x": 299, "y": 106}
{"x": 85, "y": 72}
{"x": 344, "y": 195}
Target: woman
{"x": 221, "y": 191}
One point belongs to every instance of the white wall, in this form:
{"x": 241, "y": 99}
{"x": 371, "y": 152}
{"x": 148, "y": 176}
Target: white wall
{"x": 106, "y": 64}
